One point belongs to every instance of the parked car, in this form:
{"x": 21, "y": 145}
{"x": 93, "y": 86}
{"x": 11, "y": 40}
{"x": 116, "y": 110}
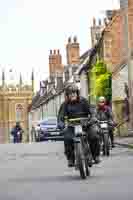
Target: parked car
{"x": 45, "y": 128}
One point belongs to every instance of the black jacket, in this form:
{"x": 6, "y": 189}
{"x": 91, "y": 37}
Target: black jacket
{"x": 80, "y": 108}
{"x": 105, "y": 114}
{"x": 15, "y": 130}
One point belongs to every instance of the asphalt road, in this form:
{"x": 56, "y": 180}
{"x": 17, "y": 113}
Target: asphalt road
{"x": 39, "y": 172}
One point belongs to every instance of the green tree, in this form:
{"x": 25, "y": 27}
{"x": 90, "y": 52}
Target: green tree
{"x": 102, "y": 80}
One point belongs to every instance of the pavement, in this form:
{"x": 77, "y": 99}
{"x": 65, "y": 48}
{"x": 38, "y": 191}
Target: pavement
{"x": 124, "y": 141}
{"x": 39, "y": 171}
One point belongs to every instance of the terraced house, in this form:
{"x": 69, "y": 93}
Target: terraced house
{"x": 47, "y": 101}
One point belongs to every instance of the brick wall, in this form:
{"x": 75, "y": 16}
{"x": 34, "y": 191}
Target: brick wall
{"x": 113, "y": 42}
{"x": 115, "y": 45}
{"x": 130, "y": 22}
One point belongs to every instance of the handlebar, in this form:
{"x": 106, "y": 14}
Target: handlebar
{"x": 77, "y": 119}
{"x": 100, "y": 121}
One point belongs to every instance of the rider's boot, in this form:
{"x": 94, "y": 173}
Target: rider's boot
{"x": 112, "y": 138}
{"x": 71, "y": 163}
{"x": 113, "y": 145}
{"x": 97, "y": 160}
{"x": 71, "y": 160}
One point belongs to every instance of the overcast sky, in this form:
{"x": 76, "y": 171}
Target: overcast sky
{"x": 30, "y": 28}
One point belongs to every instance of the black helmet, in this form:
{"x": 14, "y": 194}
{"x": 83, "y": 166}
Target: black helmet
{"x": 71, "y": 89}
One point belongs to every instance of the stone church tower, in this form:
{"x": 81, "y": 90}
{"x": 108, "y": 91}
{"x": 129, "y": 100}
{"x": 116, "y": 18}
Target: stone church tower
{"x": 96, "y": 31}
{"x": 14, "y": 102}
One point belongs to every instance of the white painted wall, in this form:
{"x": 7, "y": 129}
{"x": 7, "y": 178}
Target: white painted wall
{"x": 49, "y": 109}
{"x": 118, "y": 84}
{"x": 83, "y": 85}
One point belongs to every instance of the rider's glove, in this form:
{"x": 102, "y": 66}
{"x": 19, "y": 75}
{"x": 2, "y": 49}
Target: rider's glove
{"x": 92, "y": 121}
{"x": 61, "y": 125}
{"x": 84, "y": 125}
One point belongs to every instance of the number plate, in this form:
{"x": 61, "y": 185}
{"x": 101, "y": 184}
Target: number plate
{"x": 78, "y": 129}
{"x": 104, "y": 125}
{"x": 54, "y": 133}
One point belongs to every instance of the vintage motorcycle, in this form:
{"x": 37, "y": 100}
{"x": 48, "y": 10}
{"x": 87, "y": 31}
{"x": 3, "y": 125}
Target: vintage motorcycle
{"x": 105, "y": 138}
{"x": 83, "y": 156}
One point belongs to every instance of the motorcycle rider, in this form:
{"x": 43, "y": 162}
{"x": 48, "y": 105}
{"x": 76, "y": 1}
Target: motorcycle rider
{"x": 104, "y": 113}
{"x": 76, "y": 106}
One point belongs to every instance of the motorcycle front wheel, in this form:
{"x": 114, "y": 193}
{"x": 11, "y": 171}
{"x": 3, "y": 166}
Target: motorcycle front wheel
{"x": 106, "y": 148}
{"x": 81, "y": 164}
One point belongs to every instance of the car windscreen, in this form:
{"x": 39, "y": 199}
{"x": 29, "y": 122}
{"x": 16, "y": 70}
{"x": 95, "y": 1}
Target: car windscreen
{"x": 49, "y": 122}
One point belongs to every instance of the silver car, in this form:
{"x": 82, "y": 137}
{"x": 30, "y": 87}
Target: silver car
{"x": 46, "y": 127}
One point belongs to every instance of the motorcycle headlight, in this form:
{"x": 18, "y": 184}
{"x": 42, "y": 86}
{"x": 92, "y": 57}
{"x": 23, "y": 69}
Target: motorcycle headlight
{"x": 38, "y": 128}
{"x": 104, "y": 125}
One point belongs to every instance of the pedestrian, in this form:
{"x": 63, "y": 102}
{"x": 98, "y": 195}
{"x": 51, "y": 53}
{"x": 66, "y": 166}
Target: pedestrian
{"x": 17, "y": 132}
{"x": 33, "y": 134}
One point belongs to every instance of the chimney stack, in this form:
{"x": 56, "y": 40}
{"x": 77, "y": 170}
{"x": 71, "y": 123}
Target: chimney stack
{"x": 55, "y": 62}
{"x": 73, "y": 51}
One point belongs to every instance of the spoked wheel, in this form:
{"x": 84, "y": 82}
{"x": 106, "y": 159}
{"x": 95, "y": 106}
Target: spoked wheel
{"x": 110, "y": 144}
{"x": 101, "y": 143}
{"x": 81, "y": 164}
{"x": 87, "y": 168}
{"x": 106, "y": 145}
{"x": 88, "y": 155}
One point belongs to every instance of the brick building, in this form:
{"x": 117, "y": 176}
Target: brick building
{"x": 115, "y": 44}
